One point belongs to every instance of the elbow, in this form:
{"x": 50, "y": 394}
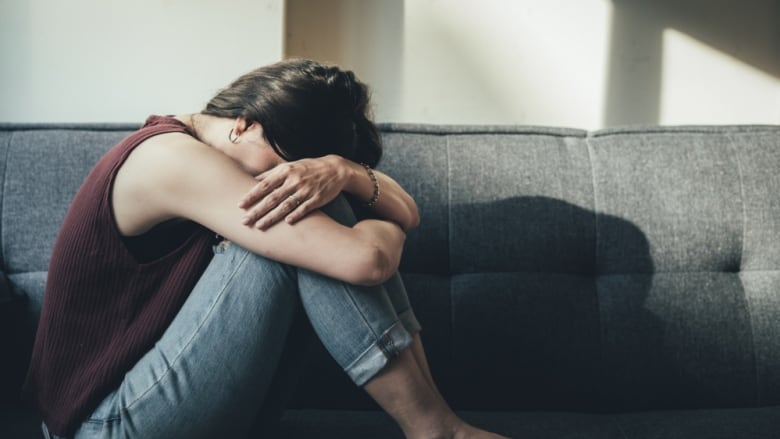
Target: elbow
{"x": 414, "y": 221}
{"x": 412, "y": 218}
{"x": 376, "y": 268}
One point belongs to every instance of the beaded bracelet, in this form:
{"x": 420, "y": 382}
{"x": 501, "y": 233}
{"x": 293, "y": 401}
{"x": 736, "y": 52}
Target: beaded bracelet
{"x": 375, "y": 196}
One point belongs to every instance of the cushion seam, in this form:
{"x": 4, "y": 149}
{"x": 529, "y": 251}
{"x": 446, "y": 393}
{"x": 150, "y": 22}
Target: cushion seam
{"x": 746, "y": 299}
{"x": 449, "y": 247}
{"x": 2, "y": 199}
{"x": 596, "y": 260}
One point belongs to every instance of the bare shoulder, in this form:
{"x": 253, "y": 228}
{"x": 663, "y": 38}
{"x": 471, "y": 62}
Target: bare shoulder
{"x": 153, "y": 173}
{"x": 167, "y": 151}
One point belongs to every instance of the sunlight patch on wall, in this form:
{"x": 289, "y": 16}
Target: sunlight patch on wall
{"x": 505, "y": 62}
{"x": 704, "y": 85}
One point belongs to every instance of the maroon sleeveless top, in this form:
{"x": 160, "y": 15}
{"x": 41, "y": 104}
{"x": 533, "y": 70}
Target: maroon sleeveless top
{"x": 108, "y": 299}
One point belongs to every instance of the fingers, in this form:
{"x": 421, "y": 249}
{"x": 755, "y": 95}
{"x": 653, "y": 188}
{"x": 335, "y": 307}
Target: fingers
{"x": 311, "y": 182}
{"x": 265, "y": 185}
{"x": 301, "y": 211}
{"x": 264, "y": 205}
{"x": 290, "y": 210}
{"x": 286, "y": 174}
{"x": 270, "y": 191}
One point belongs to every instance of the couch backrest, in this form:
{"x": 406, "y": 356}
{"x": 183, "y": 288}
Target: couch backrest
{"x": 43, "y": 167}
{"x": 613, "y": 270}
{"x": 553, "y": 269}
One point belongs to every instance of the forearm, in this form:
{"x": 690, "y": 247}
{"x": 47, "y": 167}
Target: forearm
{"x": 393, "y": 204}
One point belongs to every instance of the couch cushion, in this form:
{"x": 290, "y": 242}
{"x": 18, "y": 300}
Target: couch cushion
{"x": 676, "y": 340}
{"x": 419, "y": 162}
{"x": 43, "y": 170}
{"x": 693, "y": 332}
{"x": 520, "y": 203}
{"x": 525, "y": 341}
{"x": 681, "y": 190}
{"x": 622, "y": 270}
{"x": 762, "y": 291}
{"x": 31, "y": 285}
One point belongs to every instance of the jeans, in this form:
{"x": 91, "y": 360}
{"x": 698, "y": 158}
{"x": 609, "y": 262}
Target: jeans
{"x": 209, "y": 373}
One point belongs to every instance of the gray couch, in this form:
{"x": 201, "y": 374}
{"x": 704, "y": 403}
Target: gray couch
{"x": 622, "y": 283}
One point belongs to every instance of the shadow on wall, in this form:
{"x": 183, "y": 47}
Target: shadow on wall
{"x": 746, "y": 30}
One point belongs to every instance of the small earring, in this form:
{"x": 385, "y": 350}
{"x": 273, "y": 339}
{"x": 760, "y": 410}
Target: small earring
{"x": 230, "y": 137}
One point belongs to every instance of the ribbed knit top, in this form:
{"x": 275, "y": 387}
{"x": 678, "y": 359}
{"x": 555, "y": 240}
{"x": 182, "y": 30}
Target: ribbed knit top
{"x": 103, "y": 306}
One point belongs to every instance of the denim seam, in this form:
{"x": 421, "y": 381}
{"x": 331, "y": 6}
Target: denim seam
{"x": 109, "y": 420}
{"x": 389, "y": 343}
{"x": 192, "y": 336}
{"x": 375, "y": 336}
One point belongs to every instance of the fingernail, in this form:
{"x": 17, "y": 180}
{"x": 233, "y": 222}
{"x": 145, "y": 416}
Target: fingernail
{"x": 245, "y": 220}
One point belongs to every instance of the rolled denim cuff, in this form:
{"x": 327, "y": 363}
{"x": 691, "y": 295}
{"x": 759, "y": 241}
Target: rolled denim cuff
{"x": 387, "y": 346}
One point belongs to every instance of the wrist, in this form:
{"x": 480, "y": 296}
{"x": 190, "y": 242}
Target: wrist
{"x": 375, "y": 183}
{"x": 360, "y": 181}
{"x": 353, "y": 175}
{"x": 344, "y": 171}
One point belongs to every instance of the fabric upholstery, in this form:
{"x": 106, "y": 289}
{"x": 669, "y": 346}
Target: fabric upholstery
{"x": 610, "y": 266}
{"x": 30, "y": 227}
{"x": 619, "y": 283}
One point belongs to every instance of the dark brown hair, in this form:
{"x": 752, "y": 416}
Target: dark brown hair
{"x": 306, "y": 109}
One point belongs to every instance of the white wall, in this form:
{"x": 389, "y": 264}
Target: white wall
{"x": 118, "y": 61}
{"x": 578, "y": 63}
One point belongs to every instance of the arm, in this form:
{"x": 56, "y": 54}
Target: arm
{"x": 318, "y": 181}
{"x": 393, "y": 204}
{"x": 158, "y": 183}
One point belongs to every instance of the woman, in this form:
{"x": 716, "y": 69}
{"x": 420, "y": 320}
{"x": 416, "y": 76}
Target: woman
{"x": 145, "y": 332}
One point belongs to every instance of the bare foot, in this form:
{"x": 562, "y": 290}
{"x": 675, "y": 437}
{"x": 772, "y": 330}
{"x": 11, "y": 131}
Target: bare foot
{"x": 470, "y": 432}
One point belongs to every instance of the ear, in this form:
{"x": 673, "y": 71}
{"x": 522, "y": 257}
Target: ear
{"x": 240, "y": 125}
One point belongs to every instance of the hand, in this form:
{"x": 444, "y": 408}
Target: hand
{"x": 291, "y": 190}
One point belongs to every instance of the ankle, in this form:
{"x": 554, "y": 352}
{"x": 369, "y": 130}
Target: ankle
{"x": 467, "y": 431}
{"x": 443, "y": 426}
